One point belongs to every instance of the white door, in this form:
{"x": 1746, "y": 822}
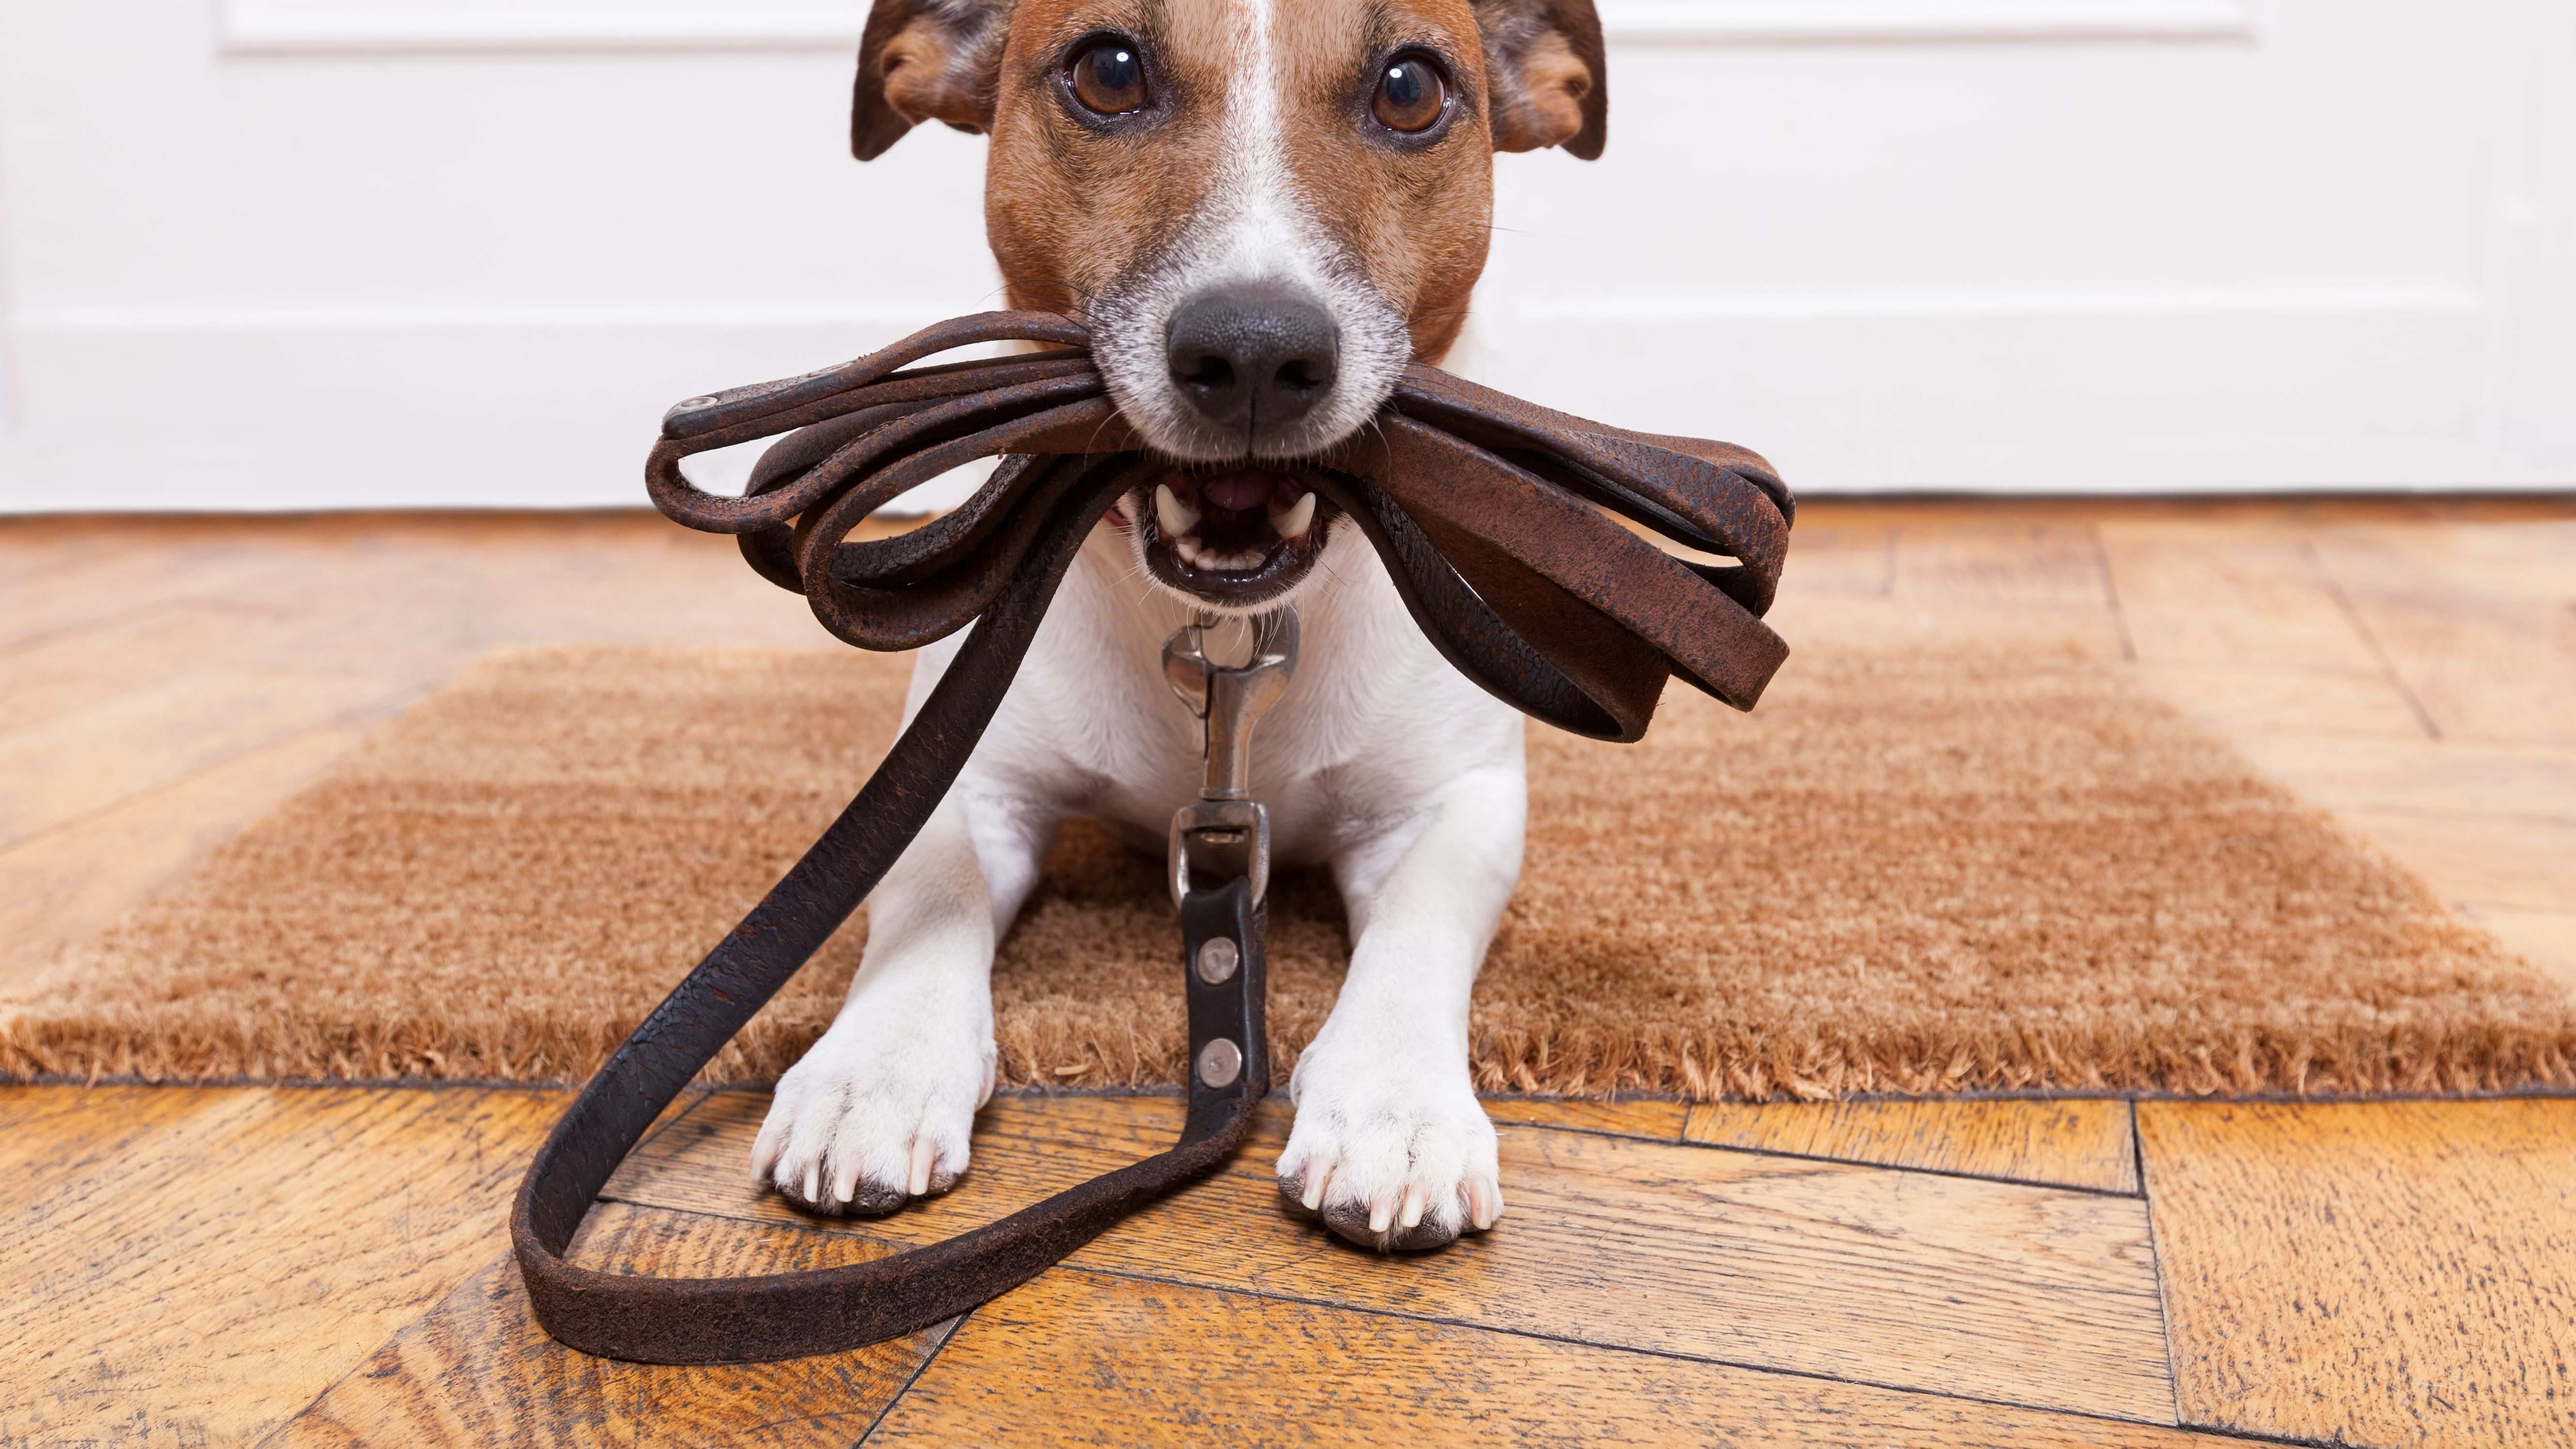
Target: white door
{"x": 316, "y": 253}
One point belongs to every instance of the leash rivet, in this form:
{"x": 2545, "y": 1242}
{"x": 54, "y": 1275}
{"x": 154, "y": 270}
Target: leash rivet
{"x": 1220, "y": 1062}
{"x": 1217, "y": 959}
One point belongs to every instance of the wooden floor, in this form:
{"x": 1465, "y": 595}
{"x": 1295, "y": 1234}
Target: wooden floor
{"x": 194, "y": 1266}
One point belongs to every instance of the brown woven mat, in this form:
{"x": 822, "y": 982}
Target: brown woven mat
{"x": 1922, "y": 874}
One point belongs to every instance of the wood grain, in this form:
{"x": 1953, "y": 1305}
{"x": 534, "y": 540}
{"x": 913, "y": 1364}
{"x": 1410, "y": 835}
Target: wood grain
{"x": 2388, "y": 1274}
{"x": 90, "y": 758}
{"x": 2043, "y": 564}
{"x": 478, "y": 1369}
{"x": 2447, "y": 777}
{"x": 2514, "y": 861}
{"x": 194, "y": 1265}
{"x": 53, "y": 1135}
{"x": 1830, "y": 560}
{"x": 2069, "y": 631}
{"x": 76, "y": 668}
{"x": 2489, "y": 663}
{"x": 1092, "y": 1359}
{"x": 2251, "y": 704}
{"x": 1658, "y": 1120}
{"x": 1993, "y": 1290}
{"x": 197, "y": 1280}
{"x": 2547, "y": 939}
{"x": 2064, "y": 1143}
{"x": 2246, "y": 597}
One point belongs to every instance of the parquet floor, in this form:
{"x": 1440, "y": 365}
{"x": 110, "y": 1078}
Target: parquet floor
{"x": 209, "y": 1265}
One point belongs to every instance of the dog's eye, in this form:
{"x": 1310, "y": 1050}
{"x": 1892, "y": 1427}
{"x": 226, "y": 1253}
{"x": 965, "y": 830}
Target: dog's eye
{"x": 1109, "y": 78}
{"x": 1410, "y": 95}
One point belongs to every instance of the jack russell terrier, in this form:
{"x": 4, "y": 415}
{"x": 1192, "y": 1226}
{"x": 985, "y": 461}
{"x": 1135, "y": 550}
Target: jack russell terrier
{"x": 1262, "y": 209}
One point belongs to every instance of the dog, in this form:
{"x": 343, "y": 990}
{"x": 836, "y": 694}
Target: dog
{"x": 1262, "y": 209}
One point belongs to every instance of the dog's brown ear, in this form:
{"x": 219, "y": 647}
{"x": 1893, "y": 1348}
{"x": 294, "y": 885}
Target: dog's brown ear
{"x": 1547, "y": 84}
{"x": 926, "y": 60}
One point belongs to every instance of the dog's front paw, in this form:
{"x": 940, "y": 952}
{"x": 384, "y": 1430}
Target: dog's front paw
{"x": 1389, "y": 1156}
{"x": 877, "y": 1114}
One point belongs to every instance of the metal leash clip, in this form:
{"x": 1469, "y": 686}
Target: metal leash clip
{"x": 1226, "y": 832}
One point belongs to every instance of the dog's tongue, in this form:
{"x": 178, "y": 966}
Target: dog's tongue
{"x": 1239, "y": 492}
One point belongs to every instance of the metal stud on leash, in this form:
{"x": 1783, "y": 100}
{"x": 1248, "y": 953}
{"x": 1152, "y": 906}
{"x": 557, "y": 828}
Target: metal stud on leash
{"x": 1225, "y": 833}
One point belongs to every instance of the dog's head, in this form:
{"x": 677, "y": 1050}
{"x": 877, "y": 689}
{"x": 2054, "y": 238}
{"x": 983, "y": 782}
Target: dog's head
{"x": 1262, "y": 209}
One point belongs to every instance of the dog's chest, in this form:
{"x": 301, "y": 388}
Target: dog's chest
{"x": 1373, "y": 724}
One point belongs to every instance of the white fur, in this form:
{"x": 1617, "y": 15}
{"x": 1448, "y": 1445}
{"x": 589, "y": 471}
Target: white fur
{"x": 1382, "y": 762}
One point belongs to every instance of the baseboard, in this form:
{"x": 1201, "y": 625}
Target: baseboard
{"x": 2255, "y": 390}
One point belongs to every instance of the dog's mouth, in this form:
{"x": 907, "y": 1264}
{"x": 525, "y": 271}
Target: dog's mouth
{"x": 1237, "y": 536}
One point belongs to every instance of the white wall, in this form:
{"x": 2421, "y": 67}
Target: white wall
{"x": 327, "y": 253}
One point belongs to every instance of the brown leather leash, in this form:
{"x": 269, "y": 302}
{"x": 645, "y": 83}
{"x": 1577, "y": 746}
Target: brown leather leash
{"x": 1494, "y": 517}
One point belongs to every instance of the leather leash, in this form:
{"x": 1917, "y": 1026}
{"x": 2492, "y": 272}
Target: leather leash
{"x": 1494, "y": 517}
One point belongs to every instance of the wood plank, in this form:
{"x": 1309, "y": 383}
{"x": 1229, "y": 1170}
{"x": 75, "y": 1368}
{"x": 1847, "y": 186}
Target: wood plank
{"x": 2021, "y": 1294}
{"x": 81, "y": 667}
{"x": 2198, "y": 594}
{"x": 2024, "y": 583}
{"x": 53, "y": 1135}
{"x": 199, "y": 1281}
{"x": 1908, "y": 623}
{"x": 1657, "y": 1120}
{"x": 1826, "y": 560}
{"x": 2488, "y": 661}
{"x": 2524, "y": 558}
{"x": 1094, "y": 1359}
{"x": 91, "y": 758}
{"x": 478, "y": 1369}
{"x": 77, "y": 878}
{"x": 2067, "y": 1143}
{"x": 2452, "y": 777}
{"x": 105, "y": 580}
{"x": 2042, "y": 564}
{"x": 2480, "y": 859}
{"x": 2385, "y": 1274}
{"x": 2249, "y": 703}
{"x": 2547, "y": 939}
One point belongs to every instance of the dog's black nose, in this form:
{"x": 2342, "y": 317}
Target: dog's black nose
{"x": 1253, "y": 357}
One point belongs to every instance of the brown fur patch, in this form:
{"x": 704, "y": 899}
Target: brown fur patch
{"x": 1546, "y": 100}
{"x": 1071, "y": 209}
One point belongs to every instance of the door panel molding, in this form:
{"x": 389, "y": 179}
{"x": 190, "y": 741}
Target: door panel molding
{"x": 344, "y": 26}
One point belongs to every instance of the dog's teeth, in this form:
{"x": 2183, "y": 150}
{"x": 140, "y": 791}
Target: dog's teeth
{"x": 1176, "y": 517}
{"x": 1294, "y": 522}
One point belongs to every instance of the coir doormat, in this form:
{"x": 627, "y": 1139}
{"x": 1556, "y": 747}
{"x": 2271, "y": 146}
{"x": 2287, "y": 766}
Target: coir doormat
{"x": 1919, "y": 873}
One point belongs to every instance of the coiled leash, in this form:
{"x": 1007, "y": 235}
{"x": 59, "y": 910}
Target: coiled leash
{"x": 1494, "y": 519}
